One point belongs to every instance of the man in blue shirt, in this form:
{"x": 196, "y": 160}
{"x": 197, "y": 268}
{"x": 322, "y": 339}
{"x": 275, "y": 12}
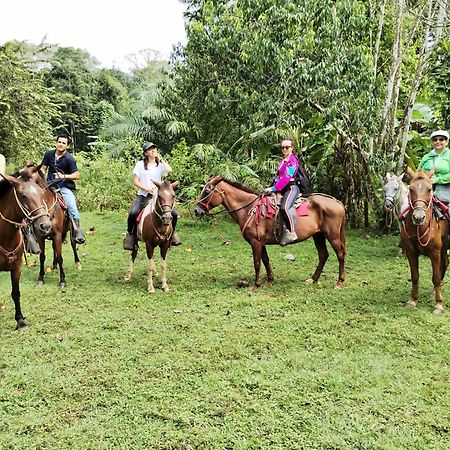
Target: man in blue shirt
{"x": 62, "y": 171}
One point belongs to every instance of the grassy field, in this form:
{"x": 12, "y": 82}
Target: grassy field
{"x": 212, "y": 366}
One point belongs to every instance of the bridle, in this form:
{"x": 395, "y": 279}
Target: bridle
{"x": 206, "y": 208}
{"x": 413, "y": 207}
{"x": 30, "y": 216}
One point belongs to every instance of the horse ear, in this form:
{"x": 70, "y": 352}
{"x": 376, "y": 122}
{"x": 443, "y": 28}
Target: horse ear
{"x": 12, "y": 180}
{"x": 388, "y": 176}
{"x": 174, "y": 184}
{"x": 158, "y": 184}
{"x": 431, "y": 172}
{"x": 400, "y": 177}
{"x": 410, "y": 172}
{"x": 37, "y": 168}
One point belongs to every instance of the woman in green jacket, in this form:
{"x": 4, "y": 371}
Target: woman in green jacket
{"x": 439, "y": 159}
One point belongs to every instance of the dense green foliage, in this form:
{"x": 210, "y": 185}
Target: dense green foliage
{"x": 358, "y": 85}
{"x": 213, "y": 366}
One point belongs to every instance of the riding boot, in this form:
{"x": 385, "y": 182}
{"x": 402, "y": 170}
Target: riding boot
{"x": 287, "y": 237}
{"x": 129, "y": 242}
{"x": 31, "y": 244}
{"x": 77, "y": 235}
{"x": 175, "y": 239}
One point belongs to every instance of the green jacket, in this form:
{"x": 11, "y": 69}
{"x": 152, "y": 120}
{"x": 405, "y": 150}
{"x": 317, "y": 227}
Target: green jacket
{"x": 440, "y": 162}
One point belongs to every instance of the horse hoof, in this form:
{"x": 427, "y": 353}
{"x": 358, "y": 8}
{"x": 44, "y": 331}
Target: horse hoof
{"x": 62, "y": 285}
{"x": 437, "y": 311}
{"x": 410, "y": 304}
{"x": 151, "y": 290}
{"x": 339, "y": 285}
{"x": 2, "y": 306}
{"x": 127, "y": 278}
{"x": 166, "y": 288}
{"x": 39, "y": 283}
{"x": 21, "y": 324}
{"x": 78, "y": 266}
{"x": 309, "y": 281}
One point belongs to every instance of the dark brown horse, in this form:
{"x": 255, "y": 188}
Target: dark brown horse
{"x": 326, "y": 221}
{"x": 20, "y": 198}
{"x": 61, "y": 225}
{"x": 423, "y": 234}
{"x": 157, "y": 231}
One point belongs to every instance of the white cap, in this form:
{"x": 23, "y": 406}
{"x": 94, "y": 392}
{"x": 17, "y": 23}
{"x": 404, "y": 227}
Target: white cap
{"x": 439, "y": 133}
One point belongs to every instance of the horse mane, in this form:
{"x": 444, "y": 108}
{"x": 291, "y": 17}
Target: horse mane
{"x": 238, "y": 186}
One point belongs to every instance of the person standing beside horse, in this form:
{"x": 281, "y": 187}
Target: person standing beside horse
{"x": 285, "y": 183}
{"x": 150, "y": 168}
{"x": 439, "y": 160}
{"x": 62, "y": 171}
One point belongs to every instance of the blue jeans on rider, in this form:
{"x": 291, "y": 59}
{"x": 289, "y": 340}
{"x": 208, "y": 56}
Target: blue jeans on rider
{"x": 71, "y": 202}
{"x": 288, "y": 213}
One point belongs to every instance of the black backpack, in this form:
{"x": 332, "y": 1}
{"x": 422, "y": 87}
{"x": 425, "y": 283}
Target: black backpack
{"x": 302, "y": 179}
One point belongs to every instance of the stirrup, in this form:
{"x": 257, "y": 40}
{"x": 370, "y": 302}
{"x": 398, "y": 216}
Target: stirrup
{"x": 288, "y": 237}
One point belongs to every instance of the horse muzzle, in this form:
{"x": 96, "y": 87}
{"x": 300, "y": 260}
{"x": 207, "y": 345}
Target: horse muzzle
{"x": 166, "y": 219}
{"x": 388, "y": 205}
{"x": 43, "y": 226}
{"x": 418, "y": 216}
{"x": 199, "y": 212}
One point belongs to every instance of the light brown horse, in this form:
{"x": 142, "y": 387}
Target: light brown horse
{"x": 157, "y": 231}
{"x": 20, "y": 198}
{"x": 326, "y": 221}
{"x": 61, "y": 225}
{"x": 423, "y": 234}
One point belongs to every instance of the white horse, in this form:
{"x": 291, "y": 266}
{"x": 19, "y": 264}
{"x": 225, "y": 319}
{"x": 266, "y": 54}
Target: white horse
{"x": 395, "y": 198}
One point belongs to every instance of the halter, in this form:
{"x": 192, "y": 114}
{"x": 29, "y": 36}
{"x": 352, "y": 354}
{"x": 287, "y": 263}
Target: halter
{"x": 222, "y": 193}
{"x": 168, "y": 209}
{"x": 429, "y": 229}
{"x": 28, "y": 214}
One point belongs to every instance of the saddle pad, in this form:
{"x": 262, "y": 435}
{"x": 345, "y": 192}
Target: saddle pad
{"x": 145, "y": 212}
{"x": 303, "y": 208}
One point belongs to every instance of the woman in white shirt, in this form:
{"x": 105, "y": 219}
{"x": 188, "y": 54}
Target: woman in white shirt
{"x": 151, "y": 167}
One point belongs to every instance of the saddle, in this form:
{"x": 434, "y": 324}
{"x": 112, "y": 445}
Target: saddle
{"x": 148, "y": 209}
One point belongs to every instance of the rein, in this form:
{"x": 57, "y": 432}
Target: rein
{"x": 251, "y": 214}
{"x": 429, "y": 228}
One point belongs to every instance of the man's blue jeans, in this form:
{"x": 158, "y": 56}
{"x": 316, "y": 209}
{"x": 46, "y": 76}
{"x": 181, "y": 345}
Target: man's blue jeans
{"x": 71, "y": 202}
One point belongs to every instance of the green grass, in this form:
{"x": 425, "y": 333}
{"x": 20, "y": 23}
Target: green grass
{"x": 212, "y": 366}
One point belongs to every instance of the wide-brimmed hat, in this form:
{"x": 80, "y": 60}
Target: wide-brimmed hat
{"x": 442, "y": 133}
{"x": 148, "y": 145}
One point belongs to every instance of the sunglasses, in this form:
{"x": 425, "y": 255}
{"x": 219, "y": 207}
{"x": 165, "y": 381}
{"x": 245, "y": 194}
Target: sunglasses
{"x": 285, "y": 146}
{"x": 438, "y": 139}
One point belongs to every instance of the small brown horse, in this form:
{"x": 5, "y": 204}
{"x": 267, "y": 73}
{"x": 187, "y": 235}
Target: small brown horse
{"x": 61, "y": 225}
{"x": 157, "y": 231}
{"x": 326, "y": 221}
{"x": 20, "y": 198}
{"x": 423, "y": 234}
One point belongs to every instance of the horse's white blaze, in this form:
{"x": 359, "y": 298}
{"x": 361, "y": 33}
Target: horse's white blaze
{"x": 32, "y": 190}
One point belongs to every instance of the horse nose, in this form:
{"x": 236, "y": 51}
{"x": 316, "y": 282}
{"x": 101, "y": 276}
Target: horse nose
{"x": 45, "y": 227}
{"x": 418, "y": 216}
{"x": 198, "y": 212}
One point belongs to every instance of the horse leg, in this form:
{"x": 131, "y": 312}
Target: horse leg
{"x": 339, "y": 248}
{"x": 57, "y": 252}
{"x": 413, "y": 259}
{"x": 164, "y": 285}
{"x": 40, "y": 280}
{"x": 75, "y": 255}
{"x": 257, "y": 253}
{"x": 437, "y": 282}
{"x": 15, "y": 294}
{"x": 151, "y": 268}
{"x": 266, "y": 262}
{"x": 129, "y": 273}
{"x": 322, "y": 251}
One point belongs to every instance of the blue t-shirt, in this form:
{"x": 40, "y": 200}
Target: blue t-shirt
{"x": 66, "y": 164}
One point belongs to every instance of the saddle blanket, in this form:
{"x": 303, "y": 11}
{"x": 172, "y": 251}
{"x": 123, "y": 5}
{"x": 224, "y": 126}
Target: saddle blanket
{"x": 145, "y": 212}
{"x": 268, "y": 206}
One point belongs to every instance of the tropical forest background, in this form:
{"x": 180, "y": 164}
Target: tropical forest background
{"x": 358, "y": 85}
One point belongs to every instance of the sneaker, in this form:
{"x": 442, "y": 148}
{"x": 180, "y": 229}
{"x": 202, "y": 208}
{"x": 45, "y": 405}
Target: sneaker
{"x": 128, "y": 242}
{"x": 288, "y": 237}
{"x": 175, "y": 240}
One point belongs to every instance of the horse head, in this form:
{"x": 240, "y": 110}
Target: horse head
{"x": 420, "y": 195}
{"x": 29, "y": 198}
{"x": 391, "y": 187}
{"x": 210, "y": 197}
{"x": 165, "y": 201}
